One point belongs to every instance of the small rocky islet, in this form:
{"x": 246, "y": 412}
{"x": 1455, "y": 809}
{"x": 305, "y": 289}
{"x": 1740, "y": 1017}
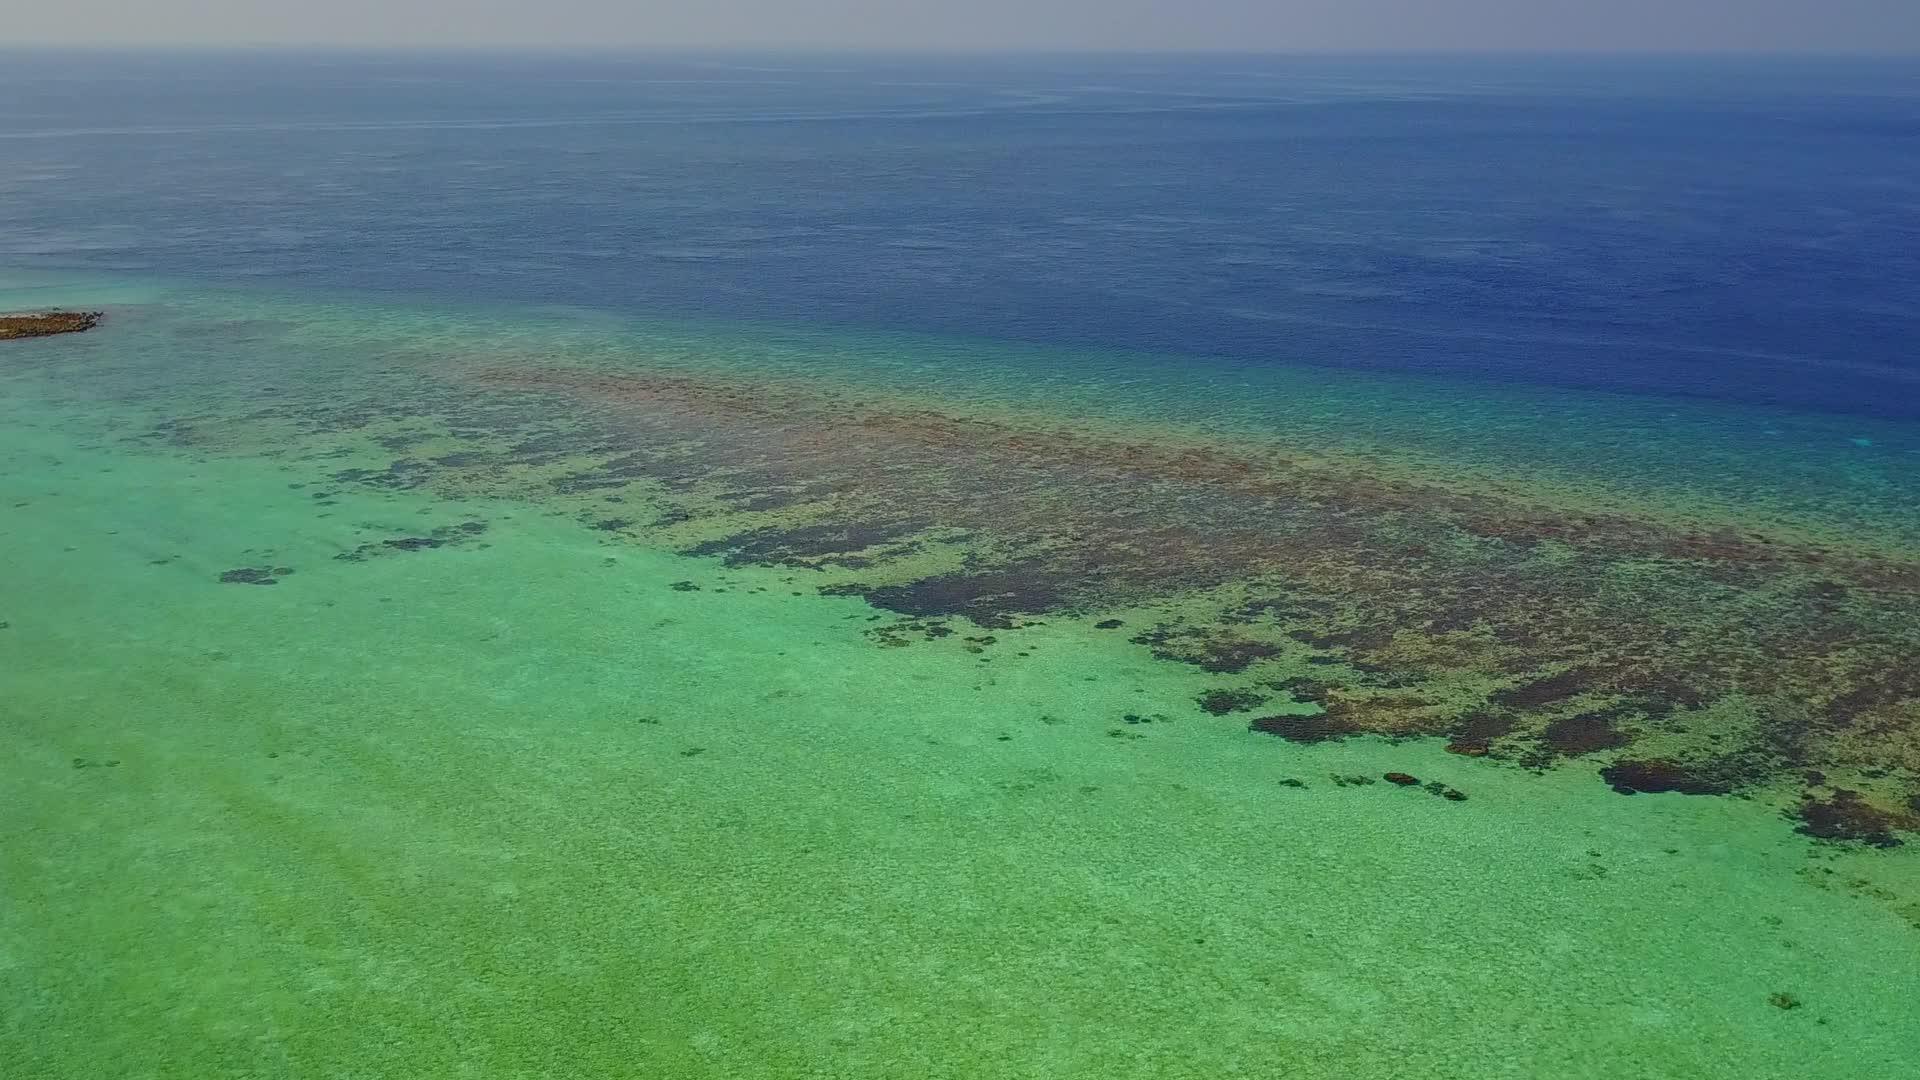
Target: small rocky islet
{"x": 47, "y": 323}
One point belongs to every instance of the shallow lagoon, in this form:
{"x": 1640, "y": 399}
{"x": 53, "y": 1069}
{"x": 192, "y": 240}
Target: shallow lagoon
{"x": 486, "y": 784}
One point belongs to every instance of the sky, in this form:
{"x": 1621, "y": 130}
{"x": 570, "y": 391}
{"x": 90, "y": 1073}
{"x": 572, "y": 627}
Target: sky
{"x": 1244, "y": 25}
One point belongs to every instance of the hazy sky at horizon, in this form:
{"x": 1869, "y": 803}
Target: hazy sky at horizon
{"x": 1767, "y": 25}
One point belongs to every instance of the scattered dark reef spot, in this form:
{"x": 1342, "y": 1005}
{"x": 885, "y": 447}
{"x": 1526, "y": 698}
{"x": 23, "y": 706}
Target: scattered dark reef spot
{"x": 1209, "y": 650}
{"x": 1780, "y": 999}
{"x": 1302, "y": 688}
{"x": 403, "y": 440}
{"x": 402, "y": 474}
{"x": 900, "y": 634}
{"x": 1349, "y": 640}
{"x": 252, "y": 575}
{"x": 582, "y": 485}
{"x": 805, "y": 546}
{"x": 1401, "y": 779}
{"x": 444, "y": 536}
{"x": 1108, "y": 624}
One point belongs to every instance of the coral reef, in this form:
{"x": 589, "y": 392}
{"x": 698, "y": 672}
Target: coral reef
{"x": 1673, "y": 650}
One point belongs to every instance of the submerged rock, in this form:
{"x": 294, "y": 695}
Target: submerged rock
{"x": 47, "y": 324}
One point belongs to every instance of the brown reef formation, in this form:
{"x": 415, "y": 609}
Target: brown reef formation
{"x": 47, "y": 324}
{"x": 1702, "y": 655}
{"x": 1735, "y": 660}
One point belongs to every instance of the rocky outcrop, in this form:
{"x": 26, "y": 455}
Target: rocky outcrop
{"x": 47, "y": 324}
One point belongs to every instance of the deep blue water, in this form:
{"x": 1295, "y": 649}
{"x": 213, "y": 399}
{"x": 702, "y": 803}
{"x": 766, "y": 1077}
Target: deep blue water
{"x": 1745, "y": 230}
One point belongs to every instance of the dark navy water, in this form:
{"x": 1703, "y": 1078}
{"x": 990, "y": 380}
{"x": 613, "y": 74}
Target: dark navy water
{"x": 1746, "y": 230}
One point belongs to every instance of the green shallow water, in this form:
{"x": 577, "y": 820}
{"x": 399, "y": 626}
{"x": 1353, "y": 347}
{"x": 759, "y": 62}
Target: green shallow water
{"x": 545, "y": 801}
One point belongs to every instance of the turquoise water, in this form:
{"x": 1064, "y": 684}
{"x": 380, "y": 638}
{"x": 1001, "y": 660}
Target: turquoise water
{"x": 1110, "y": 568}
{"x": 548, "y": 799}
{"x": 1798, "y": 468}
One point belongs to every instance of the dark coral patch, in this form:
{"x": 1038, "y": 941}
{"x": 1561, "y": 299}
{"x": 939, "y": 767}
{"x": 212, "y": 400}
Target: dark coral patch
{"x": 1542, "y": 691}
{"x": 1223, "y": 702}
{"x": 1584, "y": 733}
{"x": 805, "y": 545}
{"x": 402, "y": 440}
{"x": 1302, "y": 688}
{"x": 250, "y": 575}
{"x": 443, "y": 536}
{"x": 1630, "y": 777}
{"x": 1209, "y": 650}
{"x": 1473, "y": 734}
{"x": 401, "y": 474}
{"x": 901, "y": 634}
{"x": 1845, "y": 816}
{"x": 1305, "y": 729}
{"x": 995, "y": 600}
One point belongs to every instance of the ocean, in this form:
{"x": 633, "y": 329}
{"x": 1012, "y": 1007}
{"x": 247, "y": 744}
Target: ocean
{"x": 744, "y": 565}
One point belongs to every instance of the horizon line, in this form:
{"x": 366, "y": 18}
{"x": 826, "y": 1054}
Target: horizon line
{"x": 823, "y": 49}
